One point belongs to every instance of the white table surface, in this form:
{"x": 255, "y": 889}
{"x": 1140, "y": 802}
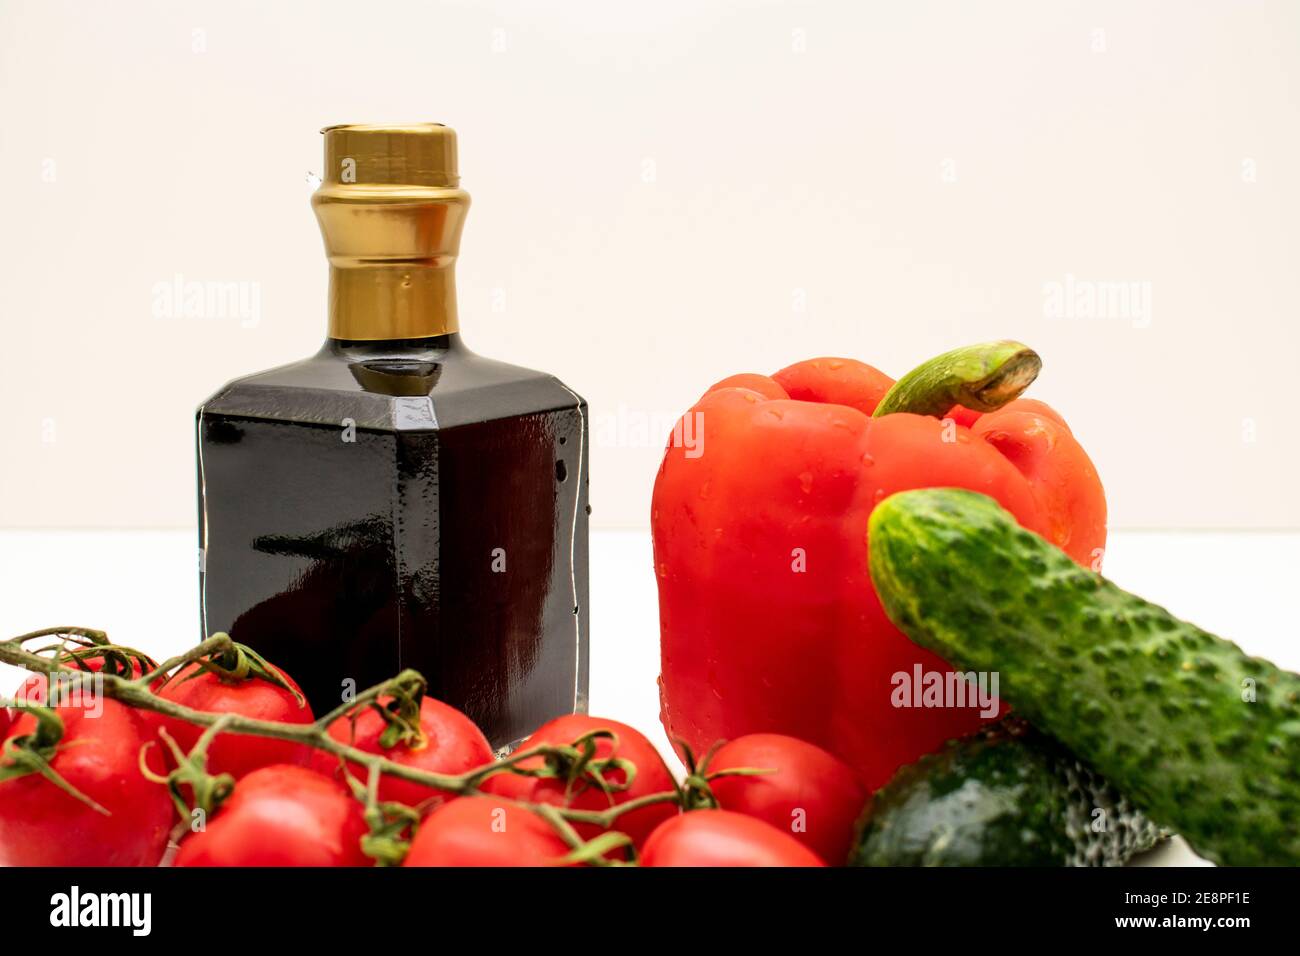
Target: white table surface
{"x": 141, "y": 587}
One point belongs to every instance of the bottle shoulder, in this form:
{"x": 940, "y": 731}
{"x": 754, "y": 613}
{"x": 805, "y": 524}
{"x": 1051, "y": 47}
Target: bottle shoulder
{"x": 392, "y": 389}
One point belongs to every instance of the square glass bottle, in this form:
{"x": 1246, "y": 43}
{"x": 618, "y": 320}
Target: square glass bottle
{"x": 395, "y": 500}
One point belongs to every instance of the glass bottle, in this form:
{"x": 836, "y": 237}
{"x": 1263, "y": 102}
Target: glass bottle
{"x": 395, "y": 500}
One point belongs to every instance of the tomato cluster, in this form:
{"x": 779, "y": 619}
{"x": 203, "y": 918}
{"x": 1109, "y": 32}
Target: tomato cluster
{"x": 85, "y": 783}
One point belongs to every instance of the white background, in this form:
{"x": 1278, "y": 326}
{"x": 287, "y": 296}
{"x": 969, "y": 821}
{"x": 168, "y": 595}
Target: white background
{"x": 667, "y": 193}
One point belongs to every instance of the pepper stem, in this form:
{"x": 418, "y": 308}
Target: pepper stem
{"x": 980, "y": 377}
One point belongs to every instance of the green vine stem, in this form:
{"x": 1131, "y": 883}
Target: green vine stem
{"x": 207, "y": 791}
{"x": 138, "y": 693}
{"x": 980, "y": 377}
{"x": 593, "y": 852}
{"x": 391, "y": 824}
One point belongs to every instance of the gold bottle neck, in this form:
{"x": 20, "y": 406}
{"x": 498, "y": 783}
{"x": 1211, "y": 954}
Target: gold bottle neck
{"x": 391, "y": 214}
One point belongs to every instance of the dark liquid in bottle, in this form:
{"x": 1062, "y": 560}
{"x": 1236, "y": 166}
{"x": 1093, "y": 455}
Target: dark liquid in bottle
{"x": 403, "y": 504}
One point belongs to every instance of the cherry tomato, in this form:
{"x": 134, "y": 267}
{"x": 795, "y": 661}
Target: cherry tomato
{"x": 281, "y": 815}
{"x": 238, "y": 754}
{"x": 651, "y": 776}
{"x": 453, "y": 744}
{"x": 812, "y": 795}
{"x": 485, "y": 831}
{"x": 723, "y": 838}
{"x": 42, "y": 825}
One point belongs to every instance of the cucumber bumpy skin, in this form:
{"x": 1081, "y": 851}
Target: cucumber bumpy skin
{"x": 1004, "y": 796}
{"x": 1200, "y": 736}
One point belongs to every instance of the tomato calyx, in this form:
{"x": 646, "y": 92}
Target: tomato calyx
{"x": 118, "y": 659}
{"x": 401, "y": 710}
{"x": 238, "y": 663}
{"x": 206, "y": 791}
{"x": 392, "y": 825}
{"x": 578, "y": 766}
{"x": 696, "y": 792}
{"x": 84, "y": 651}
{"x": 31, "y": 753}
{"x": 401, "y": 713}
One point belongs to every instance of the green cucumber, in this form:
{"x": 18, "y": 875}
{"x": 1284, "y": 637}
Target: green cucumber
{"x": 1005, "y": 796}
{"x": 1200, "y": 736}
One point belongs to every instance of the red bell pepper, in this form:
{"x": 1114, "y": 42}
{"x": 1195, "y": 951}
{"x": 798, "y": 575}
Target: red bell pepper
{"x": 768, "y": 618}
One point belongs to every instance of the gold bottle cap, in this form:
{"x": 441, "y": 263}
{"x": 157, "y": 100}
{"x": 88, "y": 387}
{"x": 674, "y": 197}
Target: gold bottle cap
{"x": 391, "y": 210}
{"x": 419, "y": 154}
